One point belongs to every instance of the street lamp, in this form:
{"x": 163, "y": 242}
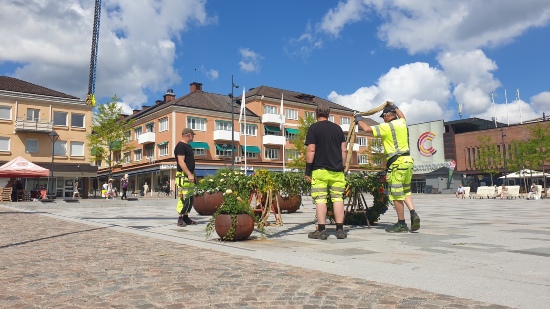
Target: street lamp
{"x": 233, "y": 86}
{"x": 504, "y": 156}
{"x": 53, "y": 137}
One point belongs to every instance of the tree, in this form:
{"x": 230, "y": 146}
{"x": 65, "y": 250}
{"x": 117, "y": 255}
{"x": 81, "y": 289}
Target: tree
{"x": 539, "y": 144}
{"x": 299, "y": 139}
{"x": 109, "y": 133}
{"x": 489, "y": 159}
{"x": 377, "y": 156}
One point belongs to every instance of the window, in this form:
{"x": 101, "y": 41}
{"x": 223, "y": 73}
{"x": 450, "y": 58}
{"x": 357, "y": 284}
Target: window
{"x": 33, "y": 114}
{"x": 163, "y": 124}
{"x": 137, "y": 155}
{"x": 77, "y": 149}
{"x": 77, "y": 120}
{"x": 250, "y": 130}
{"x": 331, "y": 118}
{"x": 362, "y": 159}
{"x": 150, "y": 153}
{"x": 150, "y": 127}
{"x": 5, "y": 112}
{"x": 271, "y": 110}
{"x": 200, "y": 152}
{"x": 345, "y": 120}
{"x": 291, "y": 154}
{"x": 126, "y": 158}
{"x": 251, "y": 155}
{"x": 291, "y": 133}
{"x": 196, "y": 123}
{"x": 4, "y": 144}
{"x": 60, "y": 119}
{"x": 138, "y": 131}
{"x": 291, "y": 114}
{"x": 362, "y": 141}
{"x": 163, "y": 150}
{"x": 60, "y": 148}
{"x": 223, "y": 125}
{"x": 98, "y": 163}
{"x": 31, "y": 145}
{"x": 312, "y": 114}
{"x": 116, "y": 158}
{"x": 271, "y": 153}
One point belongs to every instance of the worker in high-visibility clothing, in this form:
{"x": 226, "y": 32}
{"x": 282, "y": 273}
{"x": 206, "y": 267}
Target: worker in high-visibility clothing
{"x": 185, "y": 177}
{"x": 395, "y": 138}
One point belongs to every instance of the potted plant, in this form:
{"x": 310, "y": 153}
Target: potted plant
{"x": 291, "y": 187}
{"x": 209, "y": 190}
{"x": 234, "y": 219}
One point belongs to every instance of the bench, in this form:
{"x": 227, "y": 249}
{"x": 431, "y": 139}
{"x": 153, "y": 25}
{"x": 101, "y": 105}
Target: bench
{"x": 513, "y": 192}
{"x": 537, "y": 195}
{"x": 483, "y": 192}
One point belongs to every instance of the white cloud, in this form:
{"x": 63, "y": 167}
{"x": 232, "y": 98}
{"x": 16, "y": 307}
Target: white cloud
{"x": 452, "y": 25}
{"x": 51, "y": 45}
{"x": 420, "y": 91}
{"x": 541, "y": 102}
{"x": 250, "y": 61}
{"x": 470, "y": 73}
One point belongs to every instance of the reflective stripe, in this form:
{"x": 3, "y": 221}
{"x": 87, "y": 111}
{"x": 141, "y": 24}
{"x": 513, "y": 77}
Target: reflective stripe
{"x": 377, "y": 129}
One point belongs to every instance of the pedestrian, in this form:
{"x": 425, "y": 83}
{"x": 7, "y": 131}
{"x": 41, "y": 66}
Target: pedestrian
{"x": 460, "y": 191}
{"x": 76, "y": 192}
{"x": 110, "y": 189}
{"x": 533, "y": 192}
{"x": 124, "y": 185}
{"x": 325, "y": 156}
{"x": 395, "y": 138}
{"x": 185, "y": 177}
{"x": 145, "y": 189}
{"x": 104, "y": 189}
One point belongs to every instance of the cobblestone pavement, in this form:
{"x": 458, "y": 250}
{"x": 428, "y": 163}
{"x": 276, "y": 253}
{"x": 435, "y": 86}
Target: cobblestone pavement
{"x": 46, "y": 262}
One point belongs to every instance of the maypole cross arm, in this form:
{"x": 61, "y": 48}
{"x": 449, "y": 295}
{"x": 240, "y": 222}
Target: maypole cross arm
{"x": 352, "y": 134}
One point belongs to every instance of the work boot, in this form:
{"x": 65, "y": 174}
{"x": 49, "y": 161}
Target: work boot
{"x": 318, "y": 235}
{"x": 340, "y": 234}
{"x": 415, "y": 222}
{"x": 398, "y": 228}
{"x": 188, "y": 221}
{"x": 180, "y": 222}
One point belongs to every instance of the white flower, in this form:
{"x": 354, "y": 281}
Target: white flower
{"x": 228, "y": 191}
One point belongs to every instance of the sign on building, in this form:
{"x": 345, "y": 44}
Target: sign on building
{"x": 426, "y": 146}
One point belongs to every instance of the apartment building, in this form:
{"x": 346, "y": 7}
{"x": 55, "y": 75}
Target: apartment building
{"x": 28, "y": 114}
{"x": 263, "y": 142}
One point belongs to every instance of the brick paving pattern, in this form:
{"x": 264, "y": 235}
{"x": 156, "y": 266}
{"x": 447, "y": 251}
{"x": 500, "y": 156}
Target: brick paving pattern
{"x": 51, "y": 263}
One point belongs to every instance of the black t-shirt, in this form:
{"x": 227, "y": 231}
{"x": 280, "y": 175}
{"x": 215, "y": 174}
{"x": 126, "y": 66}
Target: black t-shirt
{"x": 183, "y": 149}
{"x": 328, "y": 138}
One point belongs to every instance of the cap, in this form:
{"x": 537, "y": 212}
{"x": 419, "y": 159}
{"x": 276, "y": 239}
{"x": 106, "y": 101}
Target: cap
{"x": 386, "y": 110}
{"x": 187, "y": 131}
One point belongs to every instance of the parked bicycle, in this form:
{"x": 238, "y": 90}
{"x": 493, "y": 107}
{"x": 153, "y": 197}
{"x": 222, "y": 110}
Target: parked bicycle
{"x": 165, "y": 191}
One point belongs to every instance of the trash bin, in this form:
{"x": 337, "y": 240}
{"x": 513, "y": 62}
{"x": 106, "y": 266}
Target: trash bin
{"x": 428, "y": 189}
{"x": 141, "y": 193}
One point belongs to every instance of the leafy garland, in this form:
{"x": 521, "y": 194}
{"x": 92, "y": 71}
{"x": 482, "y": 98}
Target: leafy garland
{"x": 363, "y": 182}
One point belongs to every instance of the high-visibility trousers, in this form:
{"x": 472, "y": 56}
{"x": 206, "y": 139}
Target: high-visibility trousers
{"x": 399, "y": 178}
{"x": 186, "y": 190}
{"x": 327, "y": 184}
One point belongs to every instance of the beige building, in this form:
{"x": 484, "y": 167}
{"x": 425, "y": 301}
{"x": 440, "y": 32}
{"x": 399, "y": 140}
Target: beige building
{"x": 28, "y": 114}
{"x": 264, "y": 142}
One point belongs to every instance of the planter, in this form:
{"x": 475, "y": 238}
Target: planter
{"x": 289, "y": 204}
{"x": 207, "y": 204}
{"x": 243, "y": 229}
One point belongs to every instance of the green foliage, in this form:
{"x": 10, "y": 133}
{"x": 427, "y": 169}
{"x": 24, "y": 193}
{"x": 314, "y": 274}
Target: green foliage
{"x": 367, "y": 183}
{"x": 489, "y": 160}
{"x": 298, "y": 141}
{"x": 109, "y": 133}
{"x": 539, "y": 146}
{"x": 225, "y": 179}
{"x": 377, "y": 156}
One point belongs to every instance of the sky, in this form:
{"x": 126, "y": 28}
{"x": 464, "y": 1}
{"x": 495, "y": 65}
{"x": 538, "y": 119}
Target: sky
{"x": 429, "y": 57}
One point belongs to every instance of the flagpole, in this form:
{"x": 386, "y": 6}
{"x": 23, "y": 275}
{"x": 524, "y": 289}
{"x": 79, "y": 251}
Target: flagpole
{"x": 519, "y": 102}
{"x": 494, "y": 114}
{"x": 282, "y": 126}
{"x": 507, "y": 115}
{"x": 244, "y": 116}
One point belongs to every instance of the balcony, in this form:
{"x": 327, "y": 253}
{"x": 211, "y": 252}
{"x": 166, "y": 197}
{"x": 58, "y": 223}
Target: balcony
{"x": 271, "y": 119}
{"x": 345, "y": 128}
{"x": 355, "y": 147}
{"x": 24, "y": 125}
{"x": 145, "y": 138}
{"x": 274, "y": 140}
{"x": 224, "y": 135}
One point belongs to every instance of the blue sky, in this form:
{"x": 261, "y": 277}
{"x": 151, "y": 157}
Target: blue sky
{"x": 427, "y": 56}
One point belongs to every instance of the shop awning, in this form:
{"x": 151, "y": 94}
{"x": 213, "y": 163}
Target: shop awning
{"x": 166, "y": 143}
{"x": 199, "y": 145}
{"x": 228, "y": 147}
{"x": 273, "y": 129}
{"x": 292, "y": 131}
{"x": 251, "y": 149}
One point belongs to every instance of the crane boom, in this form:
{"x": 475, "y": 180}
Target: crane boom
{"x": 90, "y": 98}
